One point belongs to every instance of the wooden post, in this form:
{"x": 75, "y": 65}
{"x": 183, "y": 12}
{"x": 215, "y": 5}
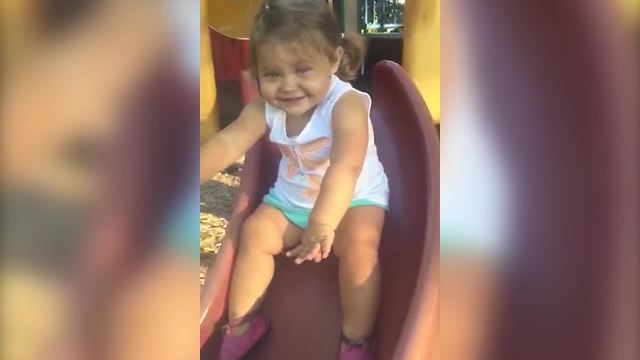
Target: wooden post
{"x": 351, "y": 16}
{"x": 209, "y": 123}
{"x": 630, "y": 12}
{"x": 421, "y": 50}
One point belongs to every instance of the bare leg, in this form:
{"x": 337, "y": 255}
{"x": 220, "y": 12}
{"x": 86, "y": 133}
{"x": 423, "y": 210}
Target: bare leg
{"x": 356, "y": 246}
{"x": 265, "y": 234}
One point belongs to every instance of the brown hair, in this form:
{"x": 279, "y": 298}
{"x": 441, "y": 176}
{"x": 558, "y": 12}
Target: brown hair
{"x": 312, "y": 24}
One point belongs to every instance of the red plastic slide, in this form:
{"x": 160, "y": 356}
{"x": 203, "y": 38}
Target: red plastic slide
{"x": 407, "y": 326}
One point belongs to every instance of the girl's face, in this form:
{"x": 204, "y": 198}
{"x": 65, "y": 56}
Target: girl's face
{"x": 294, "y": 80}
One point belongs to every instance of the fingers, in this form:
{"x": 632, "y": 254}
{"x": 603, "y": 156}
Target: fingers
{"x": 300, "y": 251}
{"x": 311, "y": 249}
{"x": 318, "y": 256}
{"x": 306, "y": 252}
{"x": 312, "y": 253}
{"x": 325, "y": 249}
{"x": 295, "y": 251}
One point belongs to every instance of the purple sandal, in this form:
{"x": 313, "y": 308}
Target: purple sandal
{"x": 234, "y": 347}
{"x": 355, "y": 350}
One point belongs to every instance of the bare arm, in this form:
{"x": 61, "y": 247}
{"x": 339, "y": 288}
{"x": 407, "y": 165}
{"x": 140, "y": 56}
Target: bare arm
{"x": 350, "y": 138}
{"x": 233, "y": 141}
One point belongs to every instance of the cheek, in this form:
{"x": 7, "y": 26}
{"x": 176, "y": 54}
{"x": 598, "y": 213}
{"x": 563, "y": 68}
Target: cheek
{"x": 267, "y": 90}
{"x": 316, "y": 86}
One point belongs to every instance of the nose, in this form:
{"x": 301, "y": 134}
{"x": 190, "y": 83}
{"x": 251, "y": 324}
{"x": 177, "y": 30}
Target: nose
{"x": 289, "y": 84}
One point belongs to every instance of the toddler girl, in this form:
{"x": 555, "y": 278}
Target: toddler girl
{"x": 331, "y": 191}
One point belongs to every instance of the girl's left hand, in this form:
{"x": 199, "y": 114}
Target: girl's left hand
{"x": 316, "y": 244}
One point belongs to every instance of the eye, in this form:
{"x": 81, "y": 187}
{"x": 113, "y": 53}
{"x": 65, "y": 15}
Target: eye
{"x": 271, "y": 74}
{"x": 303, "y": 70}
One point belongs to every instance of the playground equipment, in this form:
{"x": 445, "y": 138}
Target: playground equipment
{"x": 421, "y": 50}
{"x": 231, "y": 21}
{"x": 409, "y": 252}
{"x": 233, "y": 18}
{"x": 208, "y": 120}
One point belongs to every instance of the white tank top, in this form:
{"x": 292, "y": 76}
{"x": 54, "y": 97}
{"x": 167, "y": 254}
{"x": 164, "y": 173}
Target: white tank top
{"x": 305, "y": 158}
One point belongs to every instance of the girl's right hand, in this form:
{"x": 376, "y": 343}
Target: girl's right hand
{"x": 232, "y": 142}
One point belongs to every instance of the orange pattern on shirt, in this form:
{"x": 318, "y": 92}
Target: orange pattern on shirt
{"x": 309, "y": 163}
{"x": 292, "y": 164}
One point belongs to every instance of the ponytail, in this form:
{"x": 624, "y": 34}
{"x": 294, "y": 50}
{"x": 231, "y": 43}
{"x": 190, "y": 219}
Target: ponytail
{"x": 355, "y": 49}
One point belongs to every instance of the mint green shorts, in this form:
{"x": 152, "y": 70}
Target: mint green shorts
{"x": 300, "y": 217}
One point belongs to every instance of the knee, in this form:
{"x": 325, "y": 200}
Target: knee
{"x": 257, "y": 235}
{"x": 357, "y": 245}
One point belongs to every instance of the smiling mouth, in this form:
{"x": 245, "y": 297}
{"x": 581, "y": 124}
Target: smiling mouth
{"x": 291, "y": 99}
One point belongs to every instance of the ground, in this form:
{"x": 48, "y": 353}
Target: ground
{"x": 216, "y": 202}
